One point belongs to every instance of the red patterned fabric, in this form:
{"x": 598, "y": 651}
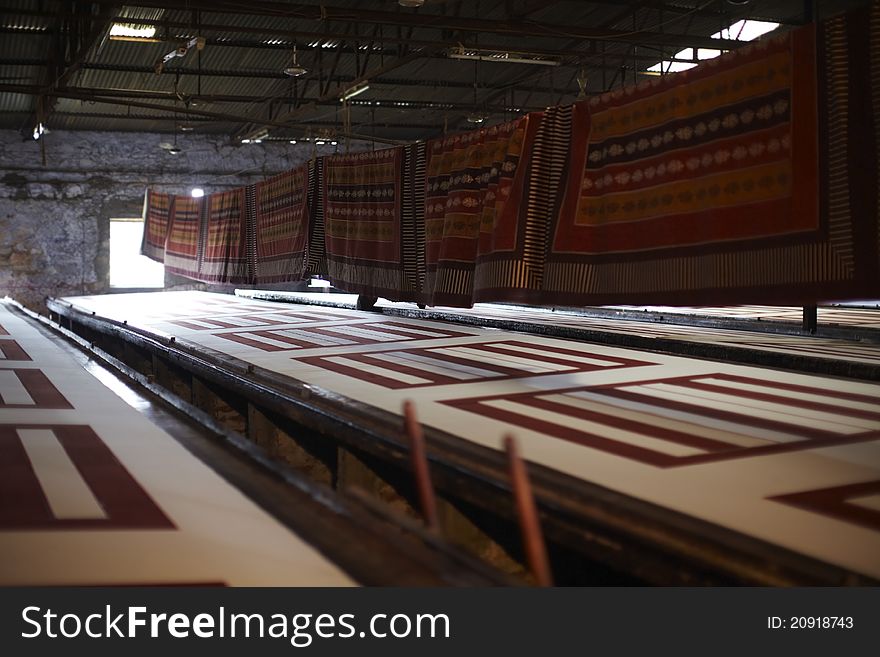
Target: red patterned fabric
{"x": 225, "y": 256}
{"x": 281, "y": 226}
{"x": 362, "y": 223}
{"x": 183, "y": 249}
{"x": 470, "y": 184}
{"x": 752, "y": 178}
{"x": 703, "y": 187}
{"x": 156, "y": 210}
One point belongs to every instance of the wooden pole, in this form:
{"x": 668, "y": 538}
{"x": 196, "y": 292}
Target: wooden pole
{"x": 533, "y": 540}
{"x": 419, "y": 459}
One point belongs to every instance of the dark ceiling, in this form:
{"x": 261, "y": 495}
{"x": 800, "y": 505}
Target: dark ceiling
{"x": 60, "y": 66}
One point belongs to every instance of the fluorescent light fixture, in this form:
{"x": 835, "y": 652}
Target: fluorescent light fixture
{"x": 319, "y": 142}
{"x": 197, "y": 192}
{"x": 127, "y": 31}
{"x": 293, "y": 141}
{"x": 351, "y": 92}
{"x": 504, "y": 57}
{"x": 256, "y": 138}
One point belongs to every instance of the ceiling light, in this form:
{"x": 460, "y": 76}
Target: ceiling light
{"x": 357, "y": 89}
{"x": 293, "y": 141}
{"x": 294, "y": 69}
{"x": 411, "y": 3}
{"x": 319, "y": 142}
{"x": 258, "y": 141}
{"x": 175, "y": 150}
{"x": 245, "y": 141}
{"x": 196, "y": 42}
{"x": 504, "y": 57}
{"x": 475, "y": 117}
{"x": 197, "y": 192}
{"x": 130, "y": 32}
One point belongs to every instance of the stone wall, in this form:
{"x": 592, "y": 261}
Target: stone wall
{"x": 54, "y": 219}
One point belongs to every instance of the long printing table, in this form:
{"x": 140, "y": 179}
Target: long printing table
{"x": 786, "y": 459}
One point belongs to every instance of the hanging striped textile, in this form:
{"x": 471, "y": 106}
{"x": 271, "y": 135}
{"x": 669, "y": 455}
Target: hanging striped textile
{"x": 225, "y": 252}
{"x": 710, "y": 186}
{"x": 470, "y": 183}
{"x": 186, "y": 239}
{"x": 752, "y": 178}
{"x": 281, "y": 226}
{"x": 517, "y": 275}
{"x": 412, "y": 220}
{"x": 156, "y": 208}
{"x": 316, "y": 247}
{"x": 362, "y": 198}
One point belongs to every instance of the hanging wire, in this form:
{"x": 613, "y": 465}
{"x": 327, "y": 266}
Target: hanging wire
{"x": 476, "y": 72}
{"x": 346, "y": 125}
{"x": 582, "y": 83}
{"x": 198, "y": 58}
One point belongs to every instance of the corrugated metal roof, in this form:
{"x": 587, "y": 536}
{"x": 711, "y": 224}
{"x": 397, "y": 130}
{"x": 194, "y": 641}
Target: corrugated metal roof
{"x": 240, "y": 71}
{"x": 12, "y": 104}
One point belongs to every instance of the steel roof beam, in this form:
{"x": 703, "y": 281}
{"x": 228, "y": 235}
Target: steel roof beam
{"x": 515, "y": 28}
{"x": 189, "y": 31}
{"x": 98, "y": 94}
{"x": 186, "y": 111}
{"x": 340, "y": 79}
